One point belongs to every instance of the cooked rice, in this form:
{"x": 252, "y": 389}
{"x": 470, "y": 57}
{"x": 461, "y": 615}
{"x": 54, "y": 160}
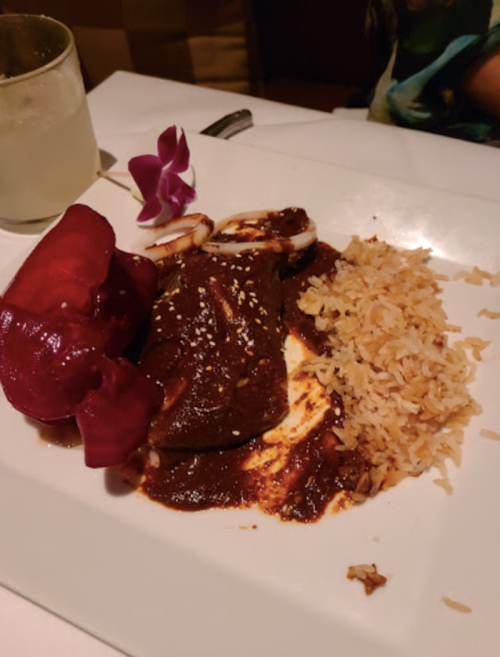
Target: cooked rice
{"x": 478, "y": 276}
{"x": 403, "y": 386}
{"x": 457, "y": 606}
{"x": 472, "y": 277}
{"x": 491, "y": 314}
{"x": 495, "y": 280}
{"x": 445, "y": 485}
{"x": 476, "y": 345}
{"x": 492, "y": 435}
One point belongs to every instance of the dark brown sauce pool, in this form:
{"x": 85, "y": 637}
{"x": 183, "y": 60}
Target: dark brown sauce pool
{"x": 302, "y": 490}
{"x": 312, "y": 471}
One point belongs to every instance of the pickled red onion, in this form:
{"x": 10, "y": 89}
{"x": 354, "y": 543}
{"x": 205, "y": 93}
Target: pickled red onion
{"x": 66, "y": 318}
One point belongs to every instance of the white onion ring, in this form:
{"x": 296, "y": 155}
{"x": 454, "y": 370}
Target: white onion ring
{"x": 276, "y": 245}
{"x": 199, "y": 229}
{"x": 241, "y": 217}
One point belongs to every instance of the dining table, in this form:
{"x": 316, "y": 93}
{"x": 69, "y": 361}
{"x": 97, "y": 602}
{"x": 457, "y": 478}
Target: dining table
{"x": 126, "y": 107}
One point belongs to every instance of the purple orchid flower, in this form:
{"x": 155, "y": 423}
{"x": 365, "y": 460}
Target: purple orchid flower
{"x": 158, "y": 179}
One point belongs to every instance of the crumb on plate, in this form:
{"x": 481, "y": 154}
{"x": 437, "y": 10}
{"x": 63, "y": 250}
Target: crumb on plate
{"x": 368, "y": 575}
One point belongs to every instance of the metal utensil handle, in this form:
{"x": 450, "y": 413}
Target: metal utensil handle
{"x": 230, "y": 125}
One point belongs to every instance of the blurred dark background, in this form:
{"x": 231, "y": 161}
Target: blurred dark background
{"x": 316, "y": 53}
{"x": 312, "y": 53}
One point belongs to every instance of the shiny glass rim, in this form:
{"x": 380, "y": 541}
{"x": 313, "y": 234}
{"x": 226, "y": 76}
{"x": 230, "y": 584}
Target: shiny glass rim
{"x": 50, "y": 65}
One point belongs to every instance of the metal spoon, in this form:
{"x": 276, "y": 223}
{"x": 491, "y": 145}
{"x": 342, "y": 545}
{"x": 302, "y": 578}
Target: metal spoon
{"x": 230, "y": 124}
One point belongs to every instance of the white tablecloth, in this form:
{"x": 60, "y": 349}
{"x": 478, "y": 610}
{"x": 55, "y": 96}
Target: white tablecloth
{"x": 127, "y": 106}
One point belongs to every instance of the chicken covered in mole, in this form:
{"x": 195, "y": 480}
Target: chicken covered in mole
{"x": 216, "y": 346}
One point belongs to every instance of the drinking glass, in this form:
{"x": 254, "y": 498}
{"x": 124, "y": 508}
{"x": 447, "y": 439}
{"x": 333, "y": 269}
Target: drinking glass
{"x": 48, "y": 151}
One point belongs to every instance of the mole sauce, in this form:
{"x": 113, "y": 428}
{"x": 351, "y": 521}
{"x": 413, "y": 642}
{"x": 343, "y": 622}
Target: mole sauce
{"x": 320, "y": 259}
{"x": 302, "y": 490}
{"x": 313, "y": 471}
{"x": 282, "y": 224}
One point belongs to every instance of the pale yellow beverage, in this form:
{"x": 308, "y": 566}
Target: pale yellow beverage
{"x": 48, "y": 151}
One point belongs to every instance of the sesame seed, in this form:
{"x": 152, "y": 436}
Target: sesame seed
{"x": 208, "y": 367}
{"x": 224, "y": 264}
{"x": 239, "y": 330}
{"x": 221, "y": 388}
{"x": 158, "y": 330}
{"x": 228, "y": 339}
{"x": 172, "y": 308}
{"x": 213, "y": 279}
{"x": 337, "y": 411}
{"x": 202, "y": 305}
{"x": 236, "y": 433}
{"x": 179, "y": 316}
{"x": 193, "y": 344}
{"x": 252, "y": 294}
{"x": 247, "y": 268}
{"x": 158, "y": 317}
{"x": 265, "y": 328}
{"x": 212, "y": 344}
{"x": 209, "y": 336}
{"x": 64, "y": 304}
{"x": 197, "y": 331}
{"x": 249, "y": 282}
{"x": 201, "y": 290}
{"x": 238, "y": 255}
{"x": 258, "y": 320}
{"x": 136, "y": 258}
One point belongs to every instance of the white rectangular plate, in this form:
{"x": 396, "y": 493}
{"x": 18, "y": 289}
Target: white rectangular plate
{"x": 158, "y": 583}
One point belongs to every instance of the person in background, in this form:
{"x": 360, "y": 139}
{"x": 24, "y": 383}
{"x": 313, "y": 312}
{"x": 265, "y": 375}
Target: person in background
{"x": 444, "y": 72}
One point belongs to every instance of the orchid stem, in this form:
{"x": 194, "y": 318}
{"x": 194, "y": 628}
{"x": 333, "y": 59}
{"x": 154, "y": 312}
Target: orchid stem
{"x": 114, "y": 174}
{"x": 111, "y": 175}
